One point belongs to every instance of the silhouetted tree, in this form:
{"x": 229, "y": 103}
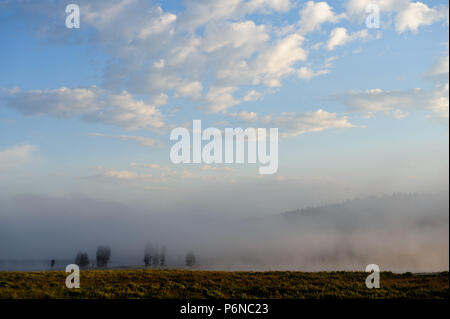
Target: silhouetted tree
{"x": 82, "y": 260}
{"x": 52, "y": 263}
{"x": 190, "y": 259}
{"x": 103, "y": 256}
{"x": 156, "y": 257}
{"x": 148, "y": 255}
{"x": 162, "y": 257}
{"x": 152, "y": 257}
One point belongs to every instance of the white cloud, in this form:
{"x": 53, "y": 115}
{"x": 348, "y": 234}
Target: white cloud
{"x": 218, "y": 168}
{"x": 62, "y": 102}
{"x": 201, "y": 12}
{"x": 193, "y": 89}
{"x": 151, "y": 165}
{"x": 267, "y": 6}
{"x": 246, "y": 35}
{"x": 268, "y": 68}
{"x": 112, "y": 21}
{"x": 123, "y": 110}
{"x": 96, "y": 134}
{"x": 399, "y": 103}
{"x": 408, "y": 15}
{"x": 293, "y": 124}
{"x": 375, "y": 101}
{"x": 16, "y": 156}
{"x": 439, "y": 103}
{"x": 439, "y": 71}
{"x": 314, "y": 14}
{"x": 358, "y": 7}
{"x": 307, "y": 73}
{"x": 160, "y": 99}
{"x": 144, "y": 141}
{"x": 278, "y": 62}
{"x": 236, "y": 50}
{"x": 125, "y": 175}
{"x": 340, "y": 37}
{"x": 416, "y": 15}
{"x": 91, "y": 103}
{"x": 252, "y": 95}
{"x": 220, "y": 99}
{"x": 246, "y": 116}
{"x": 207, "y": 52}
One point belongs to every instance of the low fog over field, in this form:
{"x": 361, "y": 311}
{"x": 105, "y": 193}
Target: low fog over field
{"x": 398, "y": 232}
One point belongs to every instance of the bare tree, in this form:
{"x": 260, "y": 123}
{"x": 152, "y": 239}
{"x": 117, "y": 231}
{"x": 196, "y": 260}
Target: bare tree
{"x": 103, "y": 256}
{"x": 155, "y": 261}
{"x": 162, "y": 256}
{"x": 148, "y": 255}
{"x": 190, "y": 259}
{"x": 82, "y": 260}
{"x": 152, "y": 256}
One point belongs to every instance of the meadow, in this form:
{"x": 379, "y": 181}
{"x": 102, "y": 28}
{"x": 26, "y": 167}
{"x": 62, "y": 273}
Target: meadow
{"x": 174, "y": 284}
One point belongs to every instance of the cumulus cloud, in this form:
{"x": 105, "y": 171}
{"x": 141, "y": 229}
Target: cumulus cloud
{"x": 279, "y": 61}
{"x": 252, "y": 95}
{"x": 294, "y": 124}
{"x": 220, "y": 99}
{"x": 439, "y": 71}
{"x": 93, "y": 104}
{"x": 144, "y": 141}
{"x": 151, "y": 165}
{"x": 237, "y": 50}
{"x": 123, "y": 110}
{"x": 307, "y": 73}
{"x": 218, "y": 168}
{"x": 245, "y": 35}
{"x": 201, "y": 12}
{"x": 245, "y": 116}
{"x": 416, "y": 15}
{"x": 358, "y": 7}
{"x": 16, "y": 156}
{"x": 371, "y": 102}
{"x": 314, "y": 14}
{"x": 399, "y": 103}
{"x": 267, "y": 6}
{"x": 127, "y": 175}
{"x": 209, "y": 52}
{"x": 409, "y": 16}
{"x": 339, "y": 37}
{"x": 193, "y": 89}
{"x": 62, "y": 102}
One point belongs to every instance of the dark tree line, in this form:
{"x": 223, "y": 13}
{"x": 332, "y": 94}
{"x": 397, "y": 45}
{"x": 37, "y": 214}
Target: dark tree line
{"x": 102, "y": 258}
{"x": 153, "y": 256}
{"x": 82, "y": 260}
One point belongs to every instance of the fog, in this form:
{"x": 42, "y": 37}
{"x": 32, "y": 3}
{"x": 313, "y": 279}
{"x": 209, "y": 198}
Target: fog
{"x": 398, "y": 232}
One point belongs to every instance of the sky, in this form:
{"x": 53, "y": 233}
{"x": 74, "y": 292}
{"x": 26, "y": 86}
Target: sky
{"x": 360, "y": 111}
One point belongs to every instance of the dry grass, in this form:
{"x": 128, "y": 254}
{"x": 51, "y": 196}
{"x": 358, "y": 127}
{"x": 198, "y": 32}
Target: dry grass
{"x": 218, "y": 284}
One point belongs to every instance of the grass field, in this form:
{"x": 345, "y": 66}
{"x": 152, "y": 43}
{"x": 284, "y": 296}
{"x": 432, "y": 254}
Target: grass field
{"x": 217, "y": 284}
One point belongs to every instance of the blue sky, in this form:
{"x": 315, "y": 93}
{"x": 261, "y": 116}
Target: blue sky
{"x": 361, "y": 111}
